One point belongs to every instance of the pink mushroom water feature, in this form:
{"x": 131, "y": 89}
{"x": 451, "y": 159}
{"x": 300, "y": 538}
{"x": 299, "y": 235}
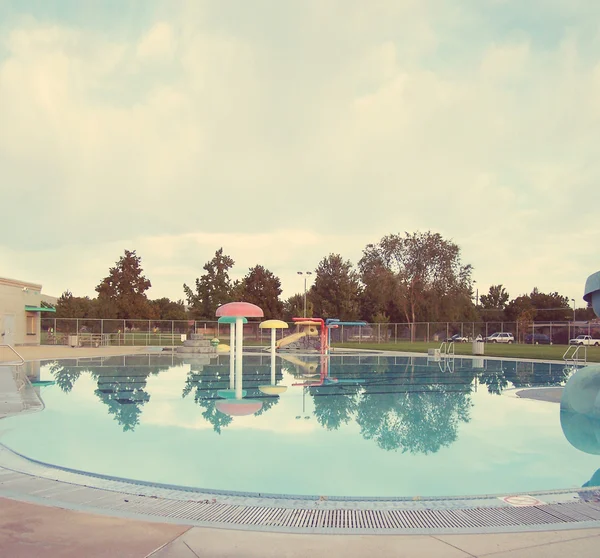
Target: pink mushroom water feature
{"x": 239, "y": 310}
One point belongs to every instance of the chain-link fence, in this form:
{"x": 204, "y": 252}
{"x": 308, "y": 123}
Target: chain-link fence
{"x": 73, "y": 331}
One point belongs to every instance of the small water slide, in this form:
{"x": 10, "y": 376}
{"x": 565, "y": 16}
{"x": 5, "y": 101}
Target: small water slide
{"x": 289, "y": 339}
{"x": 307, "y": 328}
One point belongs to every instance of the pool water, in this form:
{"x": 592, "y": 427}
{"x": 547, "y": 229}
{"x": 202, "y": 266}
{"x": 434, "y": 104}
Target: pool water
{"x": 345, "y": 425}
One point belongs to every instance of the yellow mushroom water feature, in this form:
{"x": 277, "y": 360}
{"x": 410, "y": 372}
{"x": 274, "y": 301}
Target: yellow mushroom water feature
{"x": 273, "y": 325}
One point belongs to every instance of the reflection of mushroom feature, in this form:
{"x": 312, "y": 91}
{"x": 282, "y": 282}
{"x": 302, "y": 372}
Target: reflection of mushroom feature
{"x": 273, "y": 325}
{"x": 231, "y": 321}
{"x": 239, "y": 311}
{"x": 238, "y": 407}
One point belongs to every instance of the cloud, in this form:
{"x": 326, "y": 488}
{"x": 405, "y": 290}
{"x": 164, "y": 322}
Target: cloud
{"x": 284, "y": 134}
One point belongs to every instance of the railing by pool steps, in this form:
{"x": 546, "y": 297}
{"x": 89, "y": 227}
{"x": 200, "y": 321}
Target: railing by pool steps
{"x": 13, "y": 350}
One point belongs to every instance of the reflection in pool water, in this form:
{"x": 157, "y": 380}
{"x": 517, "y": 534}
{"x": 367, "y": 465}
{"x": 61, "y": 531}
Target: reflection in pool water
{"x": 364, "y": 425}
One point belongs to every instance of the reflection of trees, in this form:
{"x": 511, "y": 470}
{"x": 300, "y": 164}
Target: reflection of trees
{"x": 122, "y": 390}
{"x": 494, "y": 379}
{"x": 65, "y": 376}
{"x": 417, "y": 422}
{"x": 334, "y": 404}
{"x": 399, "y": 405}
{"x": 336, "y": 400}
{"x": 529, "y": 374}
{"x": 207, "y": 380}
{"x": 499, "y": 374}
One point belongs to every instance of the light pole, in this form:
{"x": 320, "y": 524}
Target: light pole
{"x": 573, "y": 301}
{"x": 305, "y": 273}
{"x": 476, "y": 294}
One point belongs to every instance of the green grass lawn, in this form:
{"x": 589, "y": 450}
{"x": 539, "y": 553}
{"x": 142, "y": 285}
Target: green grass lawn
{"x": 541, "y": 352}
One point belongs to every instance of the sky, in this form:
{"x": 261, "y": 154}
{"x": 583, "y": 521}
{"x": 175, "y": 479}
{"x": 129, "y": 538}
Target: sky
{"x": 287, "y": 131}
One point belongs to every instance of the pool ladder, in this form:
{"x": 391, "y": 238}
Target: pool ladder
{"x": 446, "y": 363}
{"x": 447, "y": 349}
{"x": 572, "y": 357}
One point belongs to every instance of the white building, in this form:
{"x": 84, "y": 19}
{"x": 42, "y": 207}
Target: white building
{"x": 20, "y": 309}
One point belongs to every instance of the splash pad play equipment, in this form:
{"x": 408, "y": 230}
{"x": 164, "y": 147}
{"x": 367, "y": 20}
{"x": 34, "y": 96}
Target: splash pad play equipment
{"x": 313, "y": 333}
{"x": 234, "y": 403}
{"x": 231, "y": 321}
{"x": 308, "y": 335}
{"x": 273, "y": 388}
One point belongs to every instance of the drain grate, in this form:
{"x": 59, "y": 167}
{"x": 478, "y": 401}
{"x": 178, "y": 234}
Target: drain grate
{"x": 35, "y": 482}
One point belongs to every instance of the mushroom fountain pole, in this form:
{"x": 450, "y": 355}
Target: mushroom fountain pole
{"x": 231, "y": 355}
{"x": 239, "y": 310}
{"x": 239, "y": 340}
{"x": 273, "y": 325}
{"x": 231, "y": 321}
{"x": 273, "y": 334}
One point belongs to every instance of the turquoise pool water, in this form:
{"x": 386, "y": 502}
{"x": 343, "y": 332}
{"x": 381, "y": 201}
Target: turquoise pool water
{"x": 347, "y": 426}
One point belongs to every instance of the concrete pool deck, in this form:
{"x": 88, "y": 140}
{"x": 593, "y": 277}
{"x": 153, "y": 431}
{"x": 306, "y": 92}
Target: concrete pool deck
{"x": 30, "y": 529}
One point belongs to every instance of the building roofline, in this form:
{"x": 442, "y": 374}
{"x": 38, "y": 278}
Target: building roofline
{"x": 17, "y": 283}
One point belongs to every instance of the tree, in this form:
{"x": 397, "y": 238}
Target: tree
{"x": 550, "y": 307}
{"x": 213, "y": 289}
{"x": 122, "y": 294}
{"x": 379, "y": 294}
{"x": 430, "y": 279}
{"x": 166, "y": 309}
{"x": 336, "y": 289}
{"x": 493, "y": 304}
{"x": 496, "y": 298}
{"x": 539, "y": 307}
{"x": 520, "y": 306}
{"x": 262, "y": 288}
{"x": 294, "y": 307}
{"x": 69, "y": 306}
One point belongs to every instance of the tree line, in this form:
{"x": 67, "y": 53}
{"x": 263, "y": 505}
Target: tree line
{"x": 404, "y": 278}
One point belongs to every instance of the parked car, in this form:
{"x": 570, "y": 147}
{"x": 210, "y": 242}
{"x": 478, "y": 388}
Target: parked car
{"x": 500, "y": 337}
{"x": 584, "y": 340}
{"x": 538, "y": 339}
{"x": 457, "y": 338}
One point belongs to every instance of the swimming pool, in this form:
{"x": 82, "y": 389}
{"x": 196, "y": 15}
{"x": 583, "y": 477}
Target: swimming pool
{"x": 360, "y": 425}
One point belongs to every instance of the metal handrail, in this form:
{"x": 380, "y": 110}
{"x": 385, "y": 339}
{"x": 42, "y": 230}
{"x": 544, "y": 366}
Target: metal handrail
{"x": 14, "y": 351}
{"x": 445, "y": 348}
{"x": 573, "y": 357}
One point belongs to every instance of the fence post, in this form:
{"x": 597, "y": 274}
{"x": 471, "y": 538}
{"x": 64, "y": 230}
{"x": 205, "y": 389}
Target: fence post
{"x": 427, "y": 332}
{"x": 395, "y": 333}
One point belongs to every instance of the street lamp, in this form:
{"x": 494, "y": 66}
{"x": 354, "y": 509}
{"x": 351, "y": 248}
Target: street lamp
{"x": 476, "y": 294}
{"x": 305, "y": 273}
{"x": 573, "y": 301}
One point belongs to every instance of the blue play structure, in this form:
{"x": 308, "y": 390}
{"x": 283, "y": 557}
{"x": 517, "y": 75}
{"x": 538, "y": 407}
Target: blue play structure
{"x": 331, "y": 323}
